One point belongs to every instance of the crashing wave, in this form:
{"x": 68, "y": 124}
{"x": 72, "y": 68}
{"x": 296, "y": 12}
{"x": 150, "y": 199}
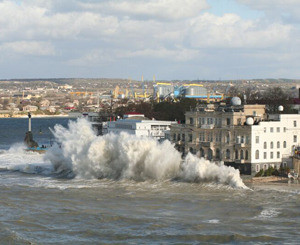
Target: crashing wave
{"x": 126, "y": 156}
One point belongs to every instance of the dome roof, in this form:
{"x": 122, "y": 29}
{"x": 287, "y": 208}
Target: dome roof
{"x": 236, "y": 101}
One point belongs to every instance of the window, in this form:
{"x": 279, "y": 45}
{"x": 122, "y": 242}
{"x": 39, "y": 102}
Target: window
{"x": 271, "y": 145}
{"x": 227, "y": 154}
{"x": 271, "y": 129}
{"x": 278, "y": 130}
{"x": 174, "y": 137}
{"x": 295, "y": 138}
{"x": 201, "y": 152}
{"x": 183, "y": 137}
{"x": 242, "y": 154}
{"x": 257, "y": 139}
{"x": 265, "y": 155}
{"x": 228, "y": 121}
{"x": 284, "y": 129}
{"x": 218, "y": 155}
{"x": 284, "y": 144}
{"x": 295, "y": 123}
{"x": 257, "y": 168}
{"x": 242, "y": 139}
{"x": 257, "y": 154}
{"x": 218, "y": 136}
{"x": 203, "y": 120}
{"x": 278, "y": 154}
{"x": 210, "y": 137}
{"x": 265, "y": 166}
{"x": 191, "y": 120}
{"x": 178, "y": 137}
{"x": 278, "y": 144}
{"x": 236, "y": 154}
{"x": 246, "y": 155}
{"x": 265, "y": 129}
{"x": 202, "y": 137}
{"x": 190, "y": 137}
{"x": 247, "y": 139}
{"x": 227, "y": 138}
{"x": 265, "y": 145}
{"x": 271, "y": 155}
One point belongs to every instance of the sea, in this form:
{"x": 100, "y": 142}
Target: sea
{"x": 119, "y": 189}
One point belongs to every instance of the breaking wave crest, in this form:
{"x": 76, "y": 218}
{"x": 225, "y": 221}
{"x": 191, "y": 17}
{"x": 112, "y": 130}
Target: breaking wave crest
{"x": 80, "y": 152}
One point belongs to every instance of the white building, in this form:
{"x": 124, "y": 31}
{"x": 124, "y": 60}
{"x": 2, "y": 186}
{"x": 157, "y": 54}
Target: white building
{"x": 137, "y": 124}
{"x": 274, "y": 140}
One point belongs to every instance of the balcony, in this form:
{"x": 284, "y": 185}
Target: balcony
{"x": 240, "y": 145}
{"x": 207, "y": 126}
{"x": 239, "y": 160}
{"x": 206, "y": 144}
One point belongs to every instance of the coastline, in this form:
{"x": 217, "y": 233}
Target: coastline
{"x": 267, "y": 179}
{"x": 35, "y": 116}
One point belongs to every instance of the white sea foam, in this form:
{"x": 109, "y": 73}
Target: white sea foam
{"x": 17, "y": 159}
{"x": 126, "y": 156}
{"x": 269, "y": 213}
{"x": 213, "y": 221}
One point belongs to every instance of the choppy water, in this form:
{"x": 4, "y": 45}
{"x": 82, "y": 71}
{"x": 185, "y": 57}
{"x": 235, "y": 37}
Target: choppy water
{"x": 40, "y": 205}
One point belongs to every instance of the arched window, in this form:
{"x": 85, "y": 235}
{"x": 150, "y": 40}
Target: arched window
{"x": 209, "y": 154}
{"x": 265, "y": 166}
{"x": 265, "y": 145}
{"x": 257, "y": 168}
{"x": 271, "y": 145}
{"x": 201, "y": 152}
{"x": 246, "y": 155}
{"x": 218, "y": 155}
{"x": 236, "y": 154}
{"x": 257, "y": 154}
{"x": 227, "y": 154}
{"x": 242, "y": 154}
{"x": 284, "y": 144}
{"x": 278, "y": 144}
{"x": 227, "y": 138}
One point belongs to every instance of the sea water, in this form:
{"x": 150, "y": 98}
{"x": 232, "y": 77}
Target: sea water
{"x": 122, "y": 189}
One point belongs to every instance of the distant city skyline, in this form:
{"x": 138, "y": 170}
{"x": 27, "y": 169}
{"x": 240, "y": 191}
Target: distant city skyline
{"x": 171, "y": 39}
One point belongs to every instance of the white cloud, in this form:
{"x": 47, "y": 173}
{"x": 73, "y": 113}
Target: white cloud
{"x": 231, "y": 31}
{"x": 156, "y": 9}
{"x": 28, "y": 48}
{"x": 177, "y": 32}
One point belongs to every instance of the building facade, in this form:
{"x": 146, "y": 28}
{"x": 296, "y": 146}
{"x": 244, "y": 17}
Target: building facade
{"x": 243, "y": 136}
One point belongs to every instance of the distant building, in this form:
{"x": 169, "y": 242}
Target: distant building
{"x": 243, "y": 136}
{"x": 44, "y": 103}
{"x": 51, "y": 109}
{"x": 30, "y": 108}
{"x": 137, "y": 124}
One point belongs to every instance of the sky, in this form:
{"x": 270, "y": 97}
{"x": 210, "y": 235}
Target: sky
{"x": 168, "y": 39}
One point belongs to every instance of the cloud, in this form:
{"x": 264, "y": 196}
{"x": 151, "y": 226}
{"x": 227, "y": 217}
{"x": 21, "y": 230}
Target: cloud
{"x": 150, "y": 9}
{"x": 231, "y": 31}
{"x": 28, "y": 48}
{"x": 165, "y": 33}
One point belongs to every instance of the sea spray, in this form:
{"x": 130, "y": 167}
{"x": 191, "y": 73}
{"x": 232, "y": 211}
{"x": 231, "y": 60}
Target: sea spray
{"x": 126, "y": 156}
{"x": 194, "y": 169}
